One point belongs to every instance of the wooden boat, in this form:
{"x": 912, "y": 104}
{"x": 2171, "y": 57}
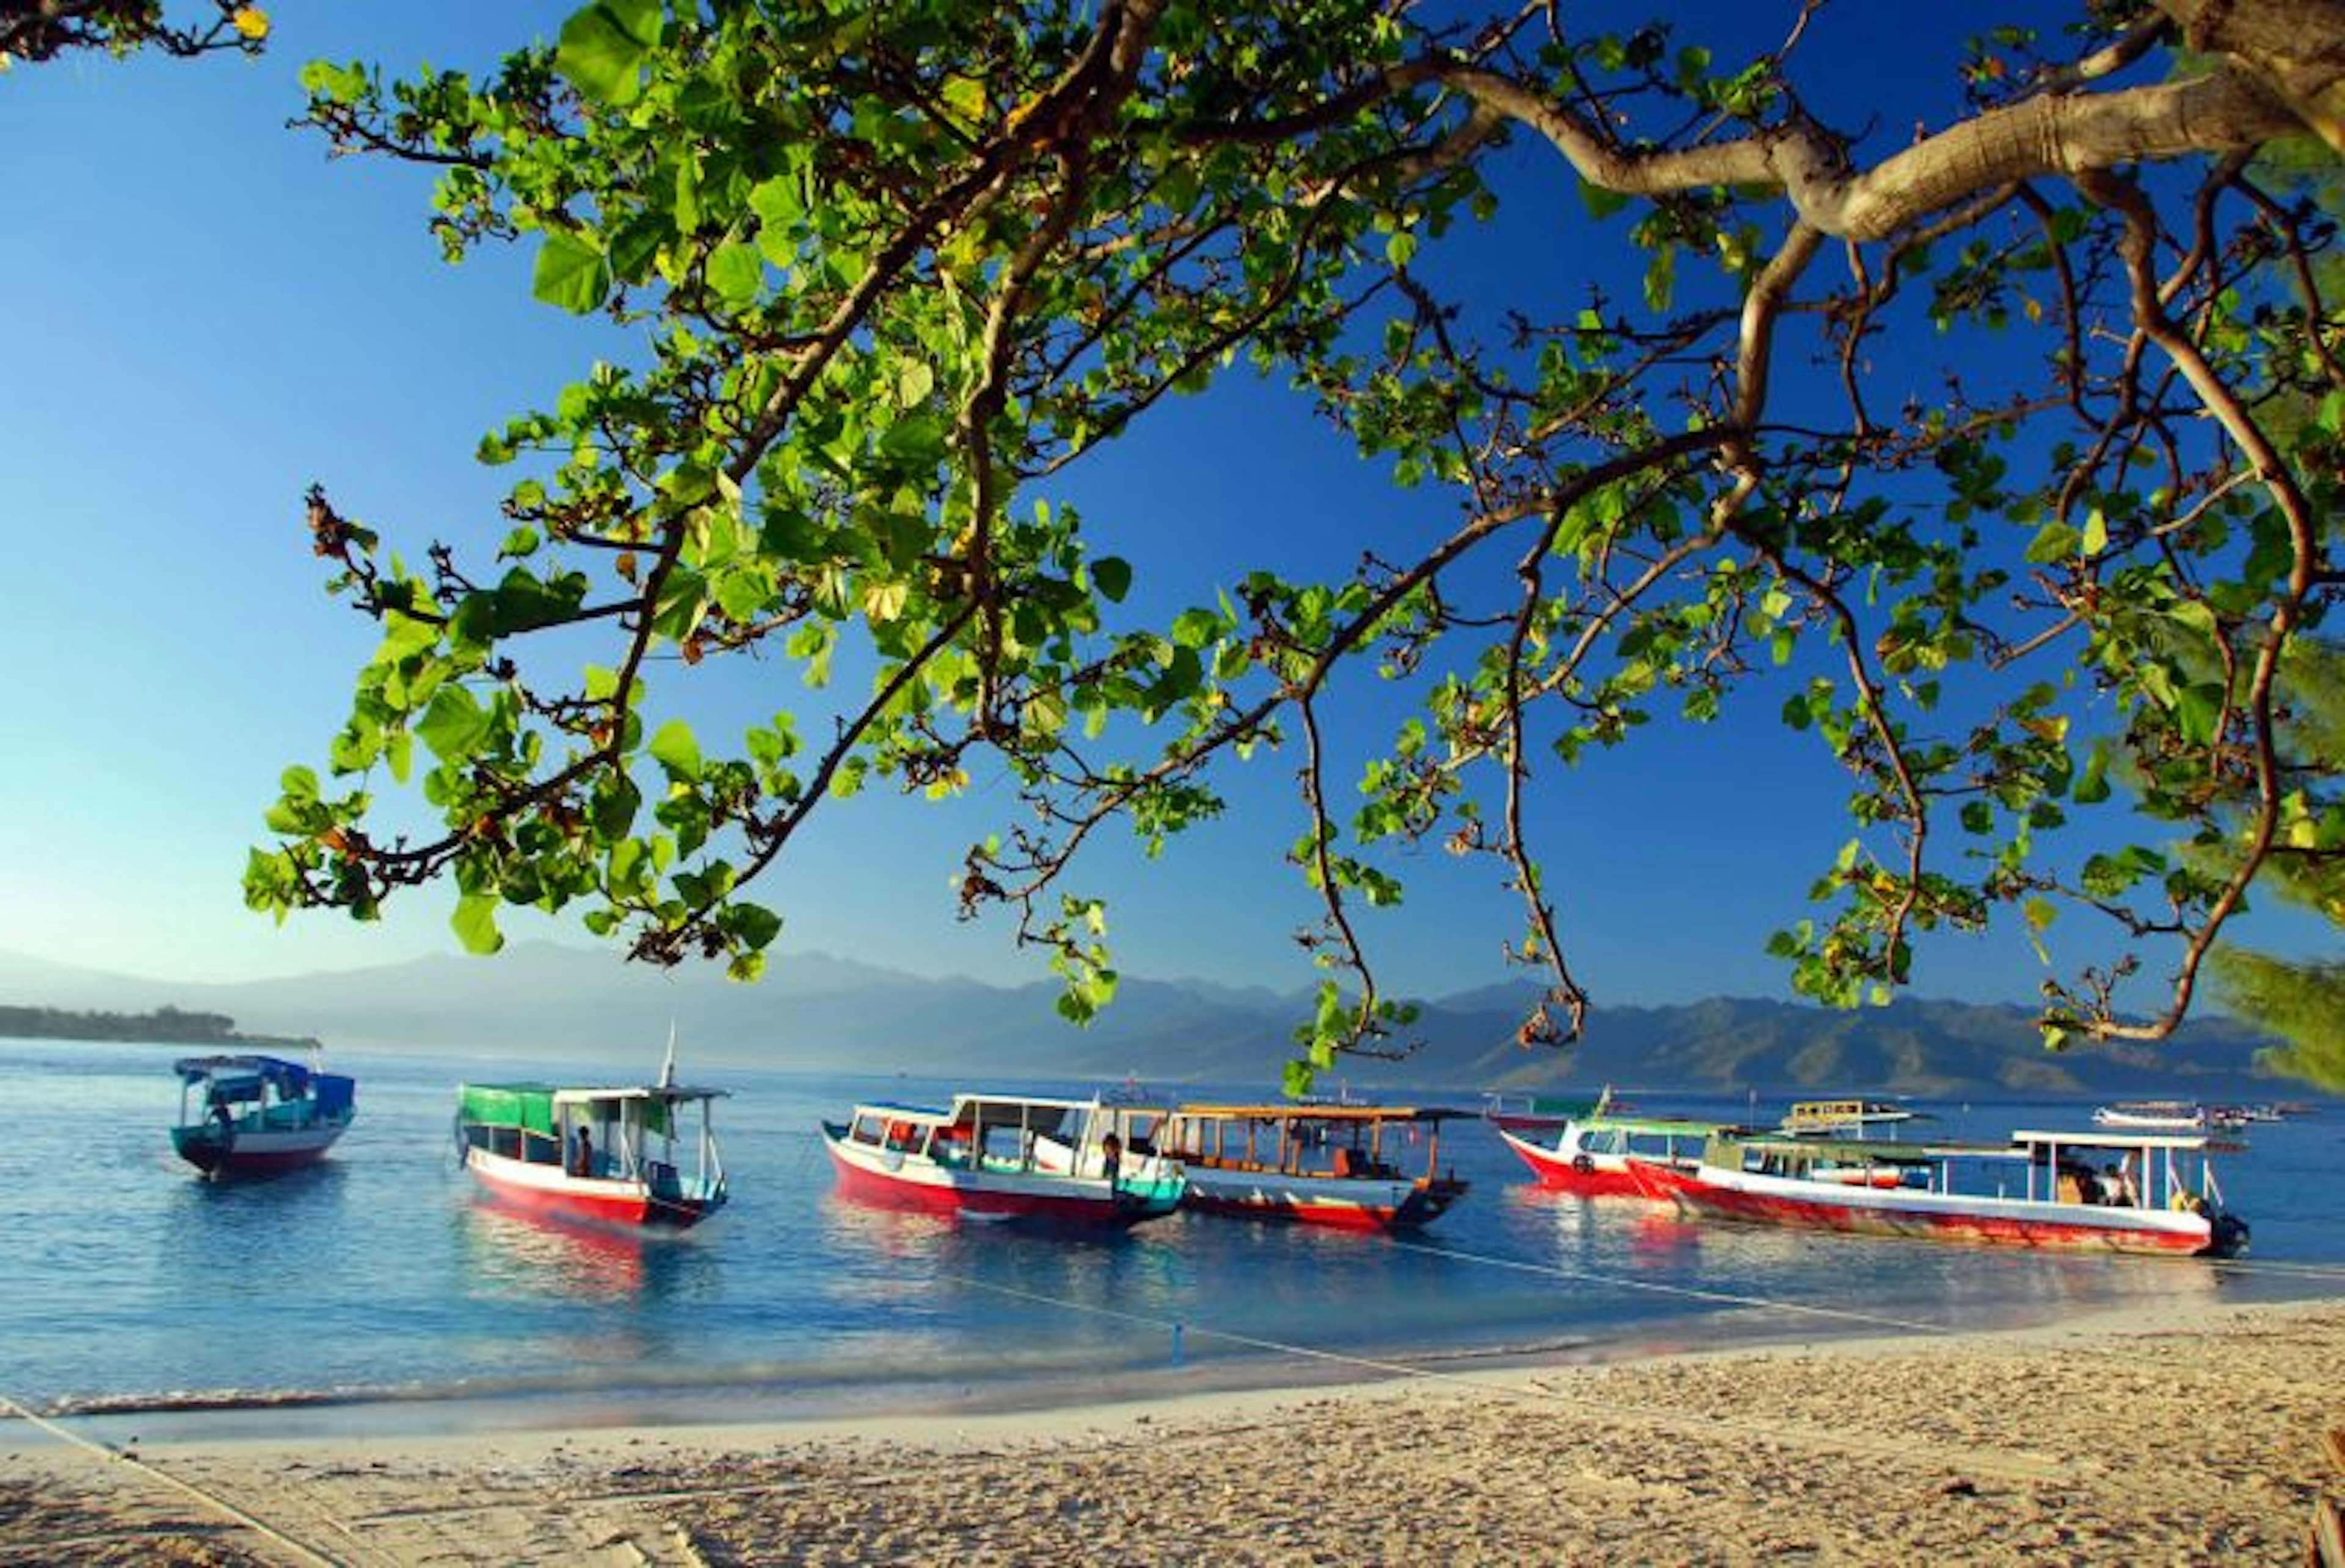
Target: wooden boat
{"x": 1590, "y": 1156}
{"x": 1844, "y": 1118}
{"x": 2153, "y": 1115}
{"x": 1005, "y": 1156}
{"x": 2157, "y": 1195}
{"x": 1332, "y": 1165}
{"x": 609, "y": 1155}
{"x": 250, "y": 1115}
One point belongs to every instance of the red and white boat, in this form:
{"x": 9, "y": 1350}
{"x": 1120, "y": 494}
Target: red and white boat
{"x": 633, "y": 1156}
{"x": 1016, "y": 1158}
{"x": 1335, "y": 1165}
{"x": 1590, "y": 1155}
{"x": 2154, "y": 1194}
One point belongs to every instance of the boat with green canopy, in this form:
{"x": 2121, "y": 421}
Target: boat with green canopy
{"x": 626, "y": 1155}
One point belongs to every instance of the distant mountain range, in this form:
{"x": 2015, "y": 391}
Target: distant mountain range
{"x": 545, "y": 1000}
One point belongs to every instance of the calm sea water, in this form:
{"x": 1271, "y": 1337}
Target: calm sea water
{"x": 379, "y": 1281}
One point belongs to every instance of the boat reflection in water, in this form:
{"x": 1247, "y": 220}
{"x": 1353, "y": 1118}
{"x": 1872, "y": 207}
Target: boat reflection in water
{"x": 523, "y": 1251}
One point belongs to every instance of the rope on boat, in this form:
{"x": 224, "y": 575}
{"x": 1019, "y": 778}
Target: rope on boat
{"x": 1730, "y": 1298}
{"x": 1346, "y": 1358}
{"x": 209, "y": 1498}
{"x": 2022, "y": 1468}
{"x": 2277, "y": 1266}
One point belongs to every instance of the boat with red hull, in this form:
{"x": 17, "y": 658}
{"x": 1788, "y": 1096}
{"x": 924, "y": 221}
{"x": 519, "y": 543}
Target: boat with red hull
{"x": 256, "y": 1115}
{"x": 1058, "y": 1163}
{"x": 1331, "y": 1165}
{"x": 1590, "y": 1156}
{"x": 2158, "y": 1196}
{"x": 629, "y": 1156}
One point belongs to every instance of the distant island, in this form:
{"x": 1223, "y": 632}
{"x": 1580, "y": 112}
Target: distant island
{"x": 164, "y": 1026}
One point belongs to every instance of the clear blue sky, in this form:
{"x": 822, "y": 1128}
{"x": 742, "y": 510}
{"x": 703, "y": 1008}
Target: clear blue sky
{"x": 207, "y": 316}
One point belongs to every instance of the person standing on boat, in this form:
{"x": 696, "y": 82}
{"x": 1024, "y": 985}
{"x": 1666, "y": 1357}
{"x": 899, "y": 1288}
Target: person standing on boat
{"x": 2116, "y": 1185}
{"x": 585, "y": 1162}
{"x": 1110, "y": 1159}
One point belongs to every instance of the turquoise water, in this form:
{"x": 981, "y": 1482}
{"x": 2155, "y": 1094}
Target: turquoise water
{"x": 379, "y": 1285}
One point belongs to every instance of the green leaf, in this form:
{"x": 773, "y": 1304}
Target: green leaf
{"x": 1113, "y": 576}
{"x": 915, "y": 439}
{"x": 604, "y": 48}
{"x": 2093, "y": 784}
{"x": 1601, "y": 203}
{"x": 676, "y": 749}
{"x": 915, "y": 379}
{"x": 779, "y": 208}
{"x": 571, "y": 274}
{"x": 738, "y": 274}
{"x": 2197, "y": 709}
{"x": 475, "y": 923}
{"x": 454, "y": 725}
{"x": 1661, "y": 278}
{"x": 2054, "y": 541}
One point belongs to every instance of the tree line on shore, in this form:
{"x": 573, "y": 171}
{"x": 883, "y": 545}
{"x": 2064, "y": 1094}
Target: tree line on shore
{"x": 171, "y": 1024}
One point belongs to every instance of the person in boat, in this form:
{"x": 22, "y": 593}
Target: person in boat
{"x": 2117, "y": 1189}
{"x": 1110, "y": 1159}
{"x": 2078, "y": 1184}
{"x": 583, "y": 1162}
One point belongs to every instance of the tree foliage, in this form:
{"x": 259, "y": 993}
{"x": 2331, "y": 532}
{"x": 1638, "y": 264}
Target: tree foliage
{"x": 39, "y": 30}
{"x": 894, "y": 267}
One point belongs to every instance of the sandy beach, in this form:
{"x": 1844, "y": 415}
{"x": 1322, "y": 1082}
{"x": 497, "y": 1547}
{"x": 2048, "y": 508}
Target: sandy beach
{"x": 2188, "y": 1438}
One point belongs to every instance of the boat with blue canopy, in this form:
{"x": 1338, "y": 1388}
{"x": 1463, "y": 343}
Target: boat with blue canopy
{"x": 250, "y": 1115}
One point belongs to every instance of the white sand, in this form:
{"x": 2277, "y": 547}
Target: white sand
{"x": 2184, "y": 1437}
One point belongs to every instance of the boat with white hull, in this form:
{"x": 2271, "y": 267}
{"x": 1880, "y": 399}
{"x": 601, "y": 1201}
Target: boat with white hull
{"x": 1000, "y": 1157}
{"x": 2157, "y": 1194}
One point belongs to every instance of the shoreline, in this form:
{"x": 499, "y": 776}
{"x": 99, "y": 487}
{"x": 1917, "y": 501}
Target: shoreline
{"x": 781, "y": 1393}
{"x": 2183, "y": 1431}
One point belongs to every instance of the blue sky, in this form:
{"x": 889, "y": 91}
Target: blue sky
{"x": 208, "y": 315}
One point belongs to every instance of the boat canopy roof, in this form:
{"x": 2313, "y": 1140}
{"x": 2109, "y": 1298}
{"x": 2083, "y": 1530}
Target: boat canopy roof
{"x": 1546, "y": 1105}
{"x": 536, "y": 1106}
{"x": 1876, "y": 1151}
{"x": 257, "y": 1067}
{"x": 667, "y": 1093}
{"x": 992, "y": 1108}
{"x": 1037, "y": 1102}
{"x": 2100, "y": 1138}
{"x": 1662, "y": 1126}
{"x": 1333, "y": 1113}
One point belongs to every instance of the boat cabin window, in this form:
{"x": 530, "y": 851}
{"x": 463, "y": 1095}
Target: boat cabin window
{"x": 867, "y": 1128}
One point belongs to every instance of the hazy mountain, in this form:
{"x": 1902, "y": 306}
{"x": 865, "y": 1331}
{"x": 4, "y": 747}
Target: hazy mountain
{"x": 540, "y": 999}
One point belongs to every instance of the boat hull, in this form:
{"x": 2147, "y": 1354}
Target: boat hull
{"x": 1584, "y": 1173}
{"x": 1343, "y": 1203}
{"x": 896, "y": 1179}
{"x": 1939, "y": 1217}
{"x": 549, "y": 1191}
{"x": 252, "y": 1153}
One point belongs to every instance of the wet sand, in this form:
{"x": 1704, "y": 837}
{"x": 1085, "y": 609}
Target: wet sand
{"x": 2194, "y": 1436}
